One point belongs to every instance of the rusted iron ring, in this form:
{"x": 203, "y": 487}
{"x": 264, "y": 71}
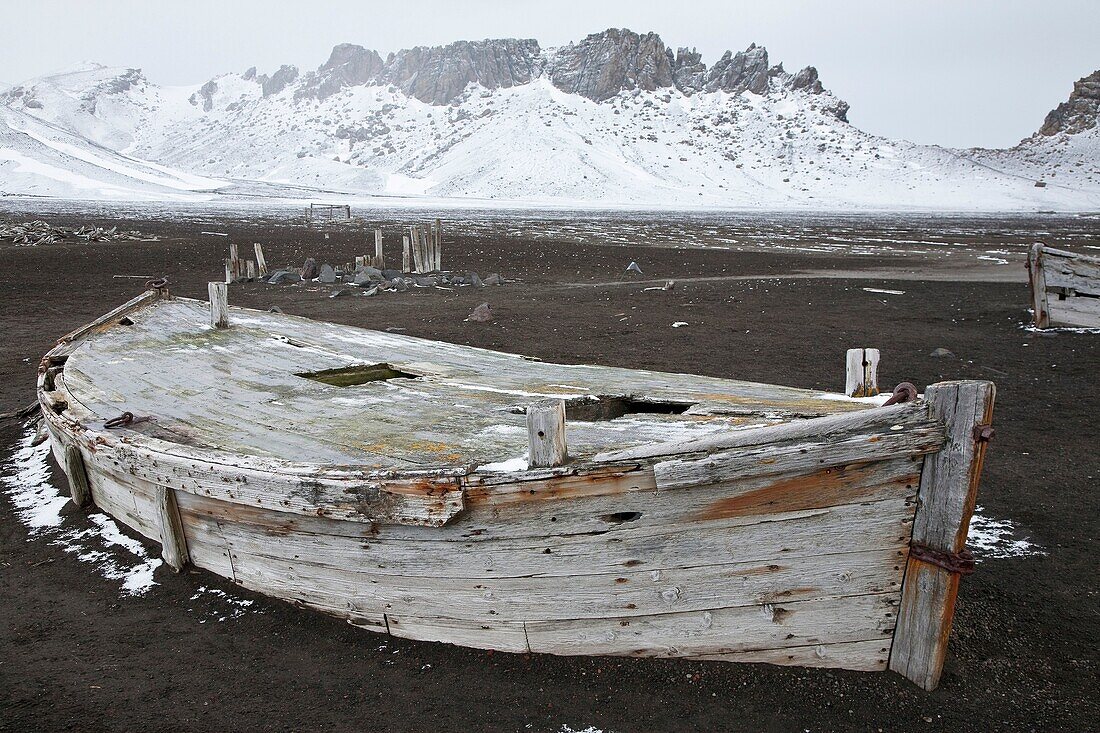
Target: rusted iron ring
{"x": 122, "y": 421}
{"x": 160, "y": 282}
{"x": 904, "y": 392}
{"x": 960, "y": 563}
{"x": 983, "y": 433}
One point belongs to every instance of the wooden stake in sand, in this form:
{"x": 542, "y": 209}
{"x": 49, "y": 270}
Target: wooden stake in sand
{"x": 378, "y": 261}
{"x": 219, "y": 304}
{"x": 406, "y": 254}
{"x": 861, "y": 373}
{"x": 79, "y": 489}
{"x": 261, "y": 263}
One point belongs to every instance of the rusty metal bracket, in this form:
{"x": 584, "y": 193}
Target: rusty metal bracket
{"x": 122, "y": 421}
{"x": 983, "y": 433}
{"x": 904, "y": 392}
{"x": 961, "y": 562}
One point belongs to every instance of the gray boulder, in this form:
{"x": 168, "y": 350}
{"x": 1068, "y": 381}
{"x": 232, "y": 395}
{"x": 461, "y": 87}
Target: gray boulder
{"x": 390, "y": 273}
{"x": 283, "y": 276}
{"x": 309, "y": 269}
{"x": 940, "y": 353}
{"x": 473, "y": 279}
{"x": 494, "y": 279}
{"x": 327, "y": 274}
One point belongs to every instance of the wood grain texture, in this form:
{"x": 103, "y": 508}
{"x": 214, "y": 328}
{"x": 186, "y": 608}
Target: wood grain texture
{"x": 861, "y": 372}
{"x": 79, "y": 490}
{"x": 219, "y": 304}
{"x": 546, "y": 440}
{"x": 173, "y": 540}
{"x": 1065, "y": 287}
{"x": 948, "y": 492}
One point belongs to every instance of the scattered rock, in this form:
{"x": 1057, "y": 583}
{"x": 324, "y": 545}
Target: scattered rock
{"x": 494, "y": 279}
{"x": 633, "y": 267}
{"x": 274, "y": 309}
{"x": 427, "y": 282}
{"x": 940, "y": 353}
{"x": 283, "y": 276}
{"x": 390, "y": 274}
{"x": 309, "y": 269}
{"x": 327, "y": 274}
{"x": 400, "y": 284}
{"x": 341, "y": 291}
{"x": 482, "y": 314}
{"x": 474, "y": 279}
{"x": 372, "y": 292}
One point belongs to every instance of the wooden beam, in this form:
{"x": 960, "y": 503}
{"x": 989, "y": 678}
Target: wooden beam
{"x": 79, "y": 489}
{"x": 861, "y": 373}
{"x": 234, "y": 262}
{"x": 250, "y": 270}
{"x": 948, "y": 491}
{"x": 379, "y": 261}
{"x": 261, "y": 263}
{"x": 406, "y": 254}
{"x": 1037, "y": 279}
{"x": 172, "y": 540}
{"x": 219, "y": 304}
{"x": 546, "y": 433}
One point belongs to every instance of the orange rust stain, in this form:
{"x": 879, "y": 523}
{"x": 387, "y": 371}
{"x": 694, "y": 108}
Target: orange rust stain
{"x": 828, "y": 487}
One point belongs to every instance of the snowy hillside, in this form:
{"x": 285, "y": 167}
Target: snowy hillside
{"x": 616, "y": 119}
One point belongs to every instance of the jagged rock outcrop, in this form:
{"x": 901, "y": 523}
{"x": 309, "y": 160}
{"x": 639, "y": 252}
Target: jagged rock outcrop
{"x": 604, "y": 64}
{"x": 279, "y": 80}
{"x": 205, "y": 93}
{"x": 807, "y": 79}
{"x": 439, "y": 74}
{"x": 744, "y": 71}
{"x": 688, "y": 70}
{"x": 1079, "y": 112}
{"x": 348, "y": 65}
{"x": 249, "y": 74}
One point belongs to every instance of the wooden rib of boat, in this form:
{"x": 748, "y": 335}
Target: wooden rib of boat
{"x": 387, "y": 480}
{"x": 1065, "y": 287}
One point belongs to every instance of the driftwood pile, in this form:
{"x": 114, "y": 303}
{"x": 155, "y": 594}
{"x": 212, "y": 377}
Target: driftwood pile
{"x": 31, "y": 233}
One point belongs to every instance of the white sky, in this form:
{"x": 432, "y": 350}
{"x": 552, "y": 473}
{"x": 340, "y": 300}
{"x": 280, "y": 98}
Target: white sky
{"x": 953, "y": 72}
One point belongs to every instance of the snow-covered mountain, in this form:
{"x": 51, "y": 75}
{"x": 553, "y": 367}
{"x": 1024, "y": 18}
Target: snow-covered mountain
{"x": 615, "y": 119}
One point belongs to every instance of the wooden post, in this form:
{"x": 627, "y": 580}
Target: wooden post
{"x": 250, "y": 270}
{"x": 234, "y": 262}
{"x": 379, "y": 261}
{"x": 406, "y": 254}
{"x": 79, "y": 489}
{"x": 1038, "y": 280}
{"x": 228, "y": 272}
{"x": 546, "y": 433}
{"x": 173, "y": 543}
{"x": 438, "y": 245}
{"x": 261, "y": 263}
{"x": 861, "y": 373}
{"x": 219, "y": 304}
{"x": 945, "y": 503}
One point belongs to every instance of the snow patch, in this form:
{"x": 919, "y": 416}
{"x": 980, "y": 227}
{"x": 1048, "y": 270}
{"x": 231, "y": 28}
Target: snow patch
{"x": 992, "y": 539}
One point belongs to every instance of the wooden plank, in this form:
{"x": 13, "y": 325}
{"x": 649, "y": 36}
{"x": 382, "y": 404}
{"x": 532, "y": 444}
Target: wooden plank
{"x": 261, "y": 261}
{"x": 873, "y": 422}
{"x": 1037, "y": 280}
{"x": 1076, "y": 310}
{"x": 112, "y": 317}
{"x": 948, "y": 492}
{"x": 546, "y": 445}
{"x": 378, "y": 261}
{"x": 172, "y": 538}
{"x": 406, "y": 254}
{"x": 79, "y": 490}
{"x": 250, "y": 270}
{"x": 862, "y": 656}
{"x": 235, "y": 262}
{"x": 861, "y": 373}
{"x": 219, "y": 304}
{"x": 1062, "y": 269}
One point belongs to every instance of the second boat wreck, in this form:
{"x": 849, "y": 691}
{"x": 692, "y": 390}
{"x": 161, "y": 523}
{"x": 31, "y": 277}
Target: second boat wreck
{"x": 454, "y": 494}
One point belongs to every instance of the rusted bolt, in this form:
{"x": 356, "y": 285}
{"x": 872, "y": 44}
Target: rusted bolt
{"x": 983, "y": 433}
{"x": 904, "y": 392}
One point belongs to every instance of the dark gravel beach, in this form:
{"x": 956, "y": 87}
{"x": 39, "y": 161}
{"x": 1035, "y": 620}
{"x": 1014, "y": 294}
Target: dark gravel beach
{"x": 76, "y": 654}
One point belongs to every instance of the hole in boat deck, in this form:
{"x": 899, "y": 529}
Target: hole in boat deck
{"x": 357, "y": 374}
{"x": 609, "y": 408}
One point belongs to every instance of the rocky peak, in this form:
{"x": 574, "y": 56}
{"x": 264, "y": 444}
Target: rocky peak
{"x": 439, "y": 74}
{"x": 279, "y": 80}
{"x": 347, "y": 65}
{"x": 688, "y": 70}
{"x": 744, "y": 71}
{"x": 1079, "y": 112}
{"x": 205, "y": 96}
{"x": 807, "y": 79}
{"x": 604, "y": 64}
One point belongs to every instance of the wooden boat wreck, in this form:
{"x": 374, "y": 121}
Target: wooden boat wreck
{"x": 430, "y": 491}
{"x": 1065, "y": 287}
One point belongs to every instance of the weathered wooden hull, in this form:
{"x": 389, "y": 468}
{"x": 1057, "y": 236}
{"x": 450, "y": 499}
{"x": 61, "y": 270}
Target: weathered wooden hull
{"x": 786, "y": 544}
{"x": 1065, "y": 288}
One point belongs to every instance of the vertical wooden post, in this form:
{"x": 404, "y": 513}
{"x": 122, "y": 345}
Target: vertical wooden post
{"x": 546, "y": 434}
{"x": 79, "y": 488}
{"x": 405, "y": 254}
{"x": 261, "y": 263}
{"x": 379, "y": 261}
{"x": 228, "y": 272}
{"x": 250, "y": 270}
{"x": 438, "y": 245}
{"x": 861, "y": 373}
{"x": 945, "y": 503}
{"x": 219, "y": 304}
{"x": 234, "y": 262}
{"x": 1038, "y": 280}
{"x": 173, "y": 543}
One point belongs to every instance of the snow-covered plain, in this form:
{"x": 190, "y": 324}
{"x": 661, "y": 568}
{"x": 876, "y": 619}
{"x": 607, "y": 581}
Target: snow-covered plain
{"x": 109, "y": 133}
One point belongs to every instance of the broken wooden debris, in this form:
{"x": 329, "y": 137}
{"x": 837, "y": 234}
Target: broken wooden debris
{"x": 1065, "y": 287}
{"x": 32, "y": 233}
{"x": 546, "y": 446}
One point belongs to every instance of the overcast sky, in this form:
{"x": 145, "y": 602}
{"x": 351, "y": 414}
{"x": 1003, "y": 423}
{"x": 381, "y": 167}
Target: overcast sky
{"x": 983, "y": 72}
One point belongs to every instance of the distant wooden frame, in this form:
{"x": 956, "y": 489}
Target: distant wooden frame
{"x": 1065, "y": 287}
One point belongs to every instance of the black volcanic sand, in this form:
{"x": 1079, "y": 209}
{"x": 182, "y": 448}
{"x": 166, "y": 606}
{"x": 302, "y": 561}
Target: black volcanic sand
{"x": 75, "y": 654}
